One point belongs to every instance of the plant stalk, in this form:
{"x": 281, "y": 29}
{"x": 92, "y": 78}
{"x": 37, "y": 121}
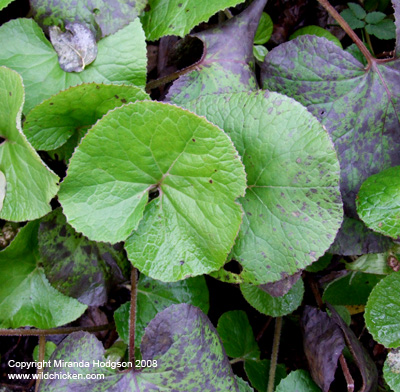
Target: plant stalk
{"x": 274, "y": 355}
{"x": 132, "y": 317}
{"x": 54, "y": 331}
{"x": 350, "y": 32}
{"x": 42, "y": 351}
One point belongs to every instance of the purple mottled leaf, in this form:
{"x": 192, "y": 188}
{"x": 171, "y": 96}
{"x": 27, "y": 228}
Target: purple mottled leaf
{"x": 281, "y": 287}
{"x": 323, "y": 343}
{"x": 361, "y": 357}
{"x": 358, "y": 106}
{"x": 227, "y": 62}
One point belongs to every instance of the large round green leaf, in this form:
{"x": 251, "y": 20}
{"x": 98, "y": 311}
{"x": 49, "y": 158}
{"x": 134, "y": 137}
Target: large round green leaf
{"x": 292, "y": 205}
{"x": 391, "y": 370}
{"x": 27, "y": 183}
{"x": 148, "y": 147}
{"x": 382, "y": 313}
{"x": 378, "y": 202}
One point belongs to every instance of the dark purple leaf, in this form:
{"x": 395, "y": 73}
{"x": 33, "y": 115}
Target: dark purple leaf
{"x": 281, "y": 287}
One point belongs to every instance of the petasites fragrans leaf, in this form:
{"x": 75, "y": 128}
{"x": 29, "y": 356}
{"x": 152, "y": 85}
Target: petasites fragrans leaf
{"x": 154, "y": 296}
{"x": 145, "y": 147}
{"x": 391, "y": 369}
{"x": 121, "y": 59}
{"x": 5, "y": 3}
{"x": 359, "y": 106}
{"x": 82, "y": 269}
{"x": 57, "y": 119}
{"x": 227, "y": 62}
{"x": 26, "y": 296}
{"x": 178, "y": 17}
{"x": 378, "y": 202}
{"x": 28, "y": 184}
{"x": 299, "y": 381}
{"x": 3, "y": 186}
{"x": 188, "y": 351}
{"x": 102, "y": 17}
{"x": 292, "y": 204}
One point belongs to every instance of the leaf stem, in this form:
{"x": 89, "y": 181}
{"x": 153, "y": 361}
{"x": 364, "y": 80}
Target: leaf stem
{"x": 350, "y": 32}
{"x": 274, "y": 355}
{"x": 42, "y": 351}
{"x": 346, "y": 372}
{"x": 132, "y": 317}
{"x": 54, "y": 331}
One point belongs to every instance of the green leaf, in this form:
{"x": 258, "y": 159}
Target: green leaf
{"x": 154, "y": 296}
{"x": 378, "y": 202}
{"x": 190, "y": 228}
{"x": 382, "y": 313}
{"x": 359, "y": 106}
{"x": 375, "y": 17}
{"x": 264, "y": 30}
{"x": 237, "y": 335}
{"x": 49, "y": 349}
{"x": 103, "y": 17}
{"x": 357, "y": 10}
{"x": 354, "y": 22}
{"x": 373, "y": 263}
{"x": 28, "y": 183}
{"x": 273, "y": 306}
{"x": 58, "y": 119}
{"x": 121, "y": 59}
{"x": 317, "y": 31}
{"x": 79, "y": 268}
{"x": 391, "y": 370}
{"x": 5, "y": 3}
{"x": 260, "y": 52}
{"x": 243, "y": 385}
{"x": 385, "y": 29}
{"x": 299, "y": 381}
{"x": 320, "y": 264}
{"x": 227, "y": 64}
{"x": 26, "y": 296}
{"x": 351, "y": 289}
{"x": 396, "y": 7}
{"x": 258, "y": 373}
{"x": 178, "y": 17}
{"x": 292, "y": 215}
{"x": 182, "y": 341}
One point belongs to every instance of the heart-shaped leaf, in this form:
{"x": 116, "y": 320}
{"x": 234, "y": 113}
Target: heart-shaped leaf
{"x": 188, "y": 353}
{"x": 359, "y": 106}
{"x": 378, "y": 202}
{"x": 26, "y": 296}
{"x": 154, "y": 296}
{"x": 227, "y": 62}
{"x": 82, "y": 269}
{"x": 57, "y": 119}
{"x": 190, "y": 228}
{"x": 292, "y": 204}
{"x": 178, "y": 17}
{"x": 299, "y": 381}
{"x": 27, "y": 183}
{"x": 103, "y": 17}
{"x": 121, "y": 59}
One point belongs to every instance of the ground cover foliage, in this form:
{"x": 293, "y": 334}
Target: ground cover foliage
{"x": 206, "y": 193}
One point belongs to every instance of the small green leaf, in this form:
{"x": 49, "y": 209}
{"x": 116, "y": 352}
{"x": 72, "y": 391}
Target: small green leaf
{"x": 28, "y": 183}
{"x": 237, "y": 335}
{"x": 258, "y": 373}
{"x": 378, "y": 202}
{"x": 354, "y": 22}
{"x": 154, "y": 296}
{"x": 26, "y": 296}
{"x": 264, "y": 30}
{"x": 273, "y": 306}
{"x": 320, "y": 264}
{"x": 178, "y": 17}
{"x": 121, "y": 59}
{"x": 5, "y": 3}
{"x": 299, "y": 381}
{"x": 391, "y": 370}
{"x": 375, "y": 17}
{"x": 357, "y": 10}
{"x": 384, "y": 29}
{"x": 317, "y": 31}
{"x": 260, "y": 52}
{"x": 351, "y": 289}
{"x": 49, "y": 349}
{"x": 58, "y": 119}
{"x": 373, "y": 263}
{"x": 243, "y": 385}
{"x": 382, "y": 313}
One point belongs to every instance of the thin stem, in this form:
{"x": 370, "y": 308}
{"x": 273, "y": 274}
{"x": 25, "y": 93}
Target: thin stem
{"x": 368, "y": 39}
{"x": 42, "y": 351}
{"x": 236, "y": 360}
{"x": 132, "y": 318}
{"x": 350, "y": 32}
{"x": 347, "y": 375}
{"x": 263, "y": 329}
{"x": 54, "y": 331}
{"x": 274, "y": 355}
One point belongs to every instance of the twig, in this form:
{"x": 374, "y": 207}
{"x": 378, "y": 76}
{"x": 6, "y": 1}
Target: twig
{"x": 347, "y": 375}
{"x": 54, "y": 331}
{"x": 42, "y": 351}
{"x": 315, "y": 290}
{"x": 332, "y": 11}
{"x": 132, "y": 317}
{"x": 274, "y": 355}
